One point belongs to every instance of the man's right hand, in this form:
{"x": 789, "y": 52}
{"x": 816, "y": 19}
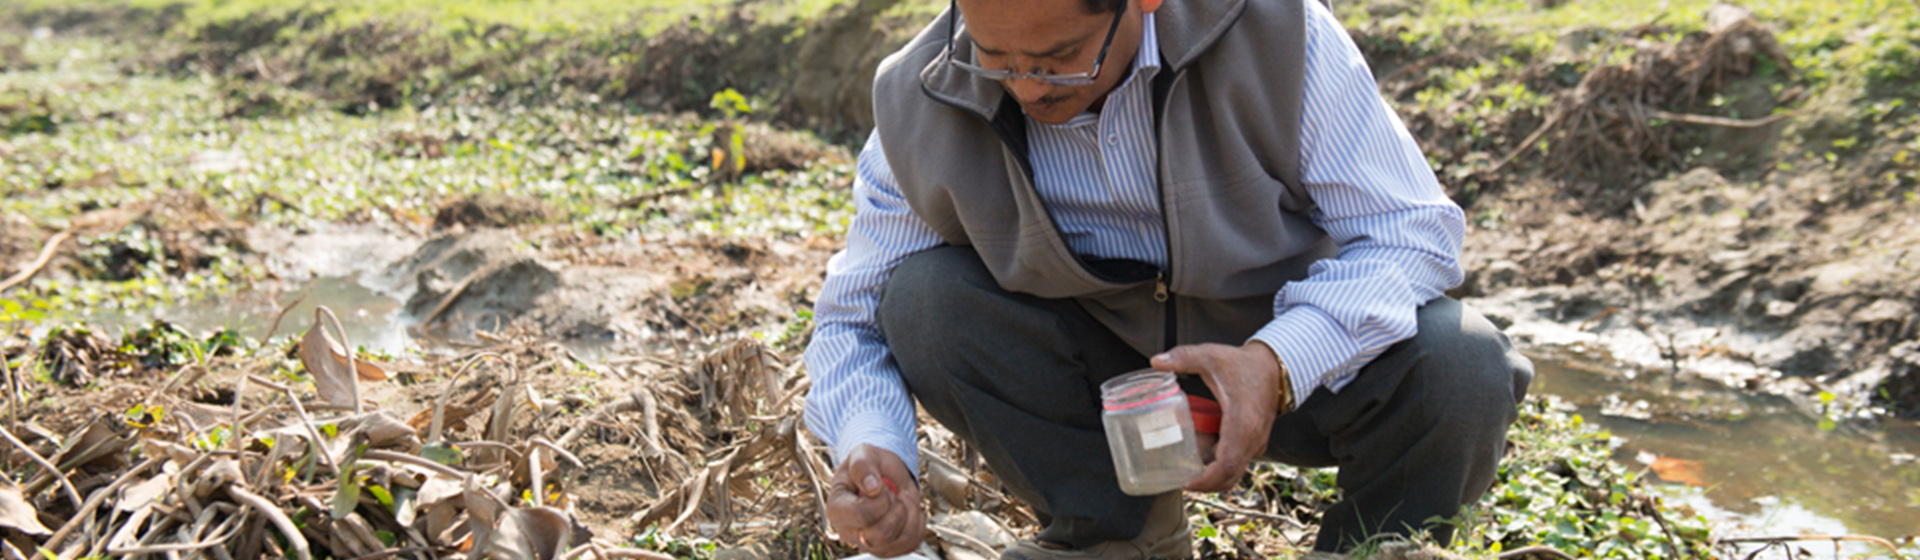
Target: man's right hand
{"x": 874, "y": 503}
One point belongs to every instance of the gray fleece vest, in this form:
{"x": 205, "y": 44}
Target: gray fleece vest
{"x": 1227, "y": 104}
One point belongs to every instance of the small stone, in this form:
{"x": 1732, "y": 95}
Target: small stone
{"x": 1781, "y": 309}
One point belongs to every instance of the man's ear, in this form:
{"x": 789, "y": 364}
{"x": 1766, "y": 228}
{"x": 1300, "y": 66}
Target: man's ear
{"x": 1148, "y": 6}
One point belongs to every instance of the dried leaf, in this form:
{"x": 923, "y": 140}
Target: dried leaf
{"x": 380, "y": 430}
{"x": 483, "y": 512}
{"x": 333, "y": 379}
{"x": 18, "y": 514}
{"x": 1680, "y": 470}
{"x": 541, "y": 533}
{"x": 363, "y": 369}
{"x": 144, "y": 494}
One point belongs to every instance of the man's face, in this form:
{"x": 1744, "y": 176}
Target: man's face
{"x": 1052, "y": 37}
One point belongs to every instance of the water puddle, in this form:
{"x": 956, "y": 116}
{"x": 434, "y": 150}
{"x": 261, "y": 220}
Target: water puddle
{"x": 372, "y": 319}
{"x": 1756, "y": 465}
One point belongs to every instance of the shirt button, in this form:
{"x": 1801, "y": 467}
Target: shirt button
{"x": 1113, "y": 139}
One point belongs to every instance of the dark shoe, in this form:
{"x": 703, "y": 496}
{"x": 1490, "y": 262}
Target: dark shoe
{"x": 1165, "y": 537}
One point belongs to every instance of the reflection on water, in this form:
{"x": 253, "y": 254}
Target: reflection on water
{"x": 371, "y": 319}
{"x": 1767, "y": 467}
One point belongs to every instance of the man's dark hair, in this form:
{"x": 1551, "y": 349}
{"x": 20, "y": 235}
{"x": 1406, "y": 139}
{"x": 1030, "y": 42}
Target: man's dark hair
{"x": 1097, "y": 7}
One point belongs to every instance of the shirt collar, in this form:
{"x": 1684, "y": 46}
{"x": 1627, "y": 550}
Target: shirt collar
{"x": 1146, "y": 63}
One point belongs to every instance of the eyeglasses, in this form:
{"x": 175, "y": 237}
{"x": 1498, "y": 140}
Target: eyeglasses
{"x": 1072, "y": 80}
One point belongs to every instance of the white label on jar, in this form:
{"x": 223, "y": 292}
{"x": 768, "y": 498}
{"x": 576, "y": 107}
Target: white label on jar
{"x": 1159, "y": 429}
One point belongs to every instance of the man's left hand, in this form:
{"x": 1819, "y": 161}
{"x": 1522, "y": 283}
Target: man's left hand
{"x": 1245, "y": 379}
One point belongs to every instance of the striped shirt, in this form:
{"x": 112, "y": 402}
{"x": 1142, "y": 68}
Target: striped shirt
{"x": 1399, "y": 235}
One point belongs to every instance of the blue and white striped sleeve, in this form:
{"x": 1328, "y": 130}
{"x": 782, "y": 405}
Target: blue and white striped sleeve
{"x": 1399, "y": 234}
{"x": 858, "y": 396}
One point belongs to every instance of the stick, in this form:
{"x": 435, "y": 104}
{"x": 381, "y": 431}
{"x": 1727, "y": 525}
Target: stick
{"x": 99, "y": 497}
{"x": 73, "y": 494}
{"x": 13, "y": 390}
{"x": 40, "y": 262}
{"x": 279, "y": 519}
{"x": 453, "y": 295}
{"x": 1718, "y": 121}
{"x": 538, "y": 441}
{"x": 383, "y": 455}
{"x": 1247, "y": 512}
{"x": 1541, "y": 550}
{"x": 1807, "y": 538}
{"x": 964, "y": 539}
{"x": 1528, "y": 142}
{"x": 275, "y": 329}
{"x": 307, "y": 421}
{"x": 601, "y": 414}
{"x": 440, "y": 407}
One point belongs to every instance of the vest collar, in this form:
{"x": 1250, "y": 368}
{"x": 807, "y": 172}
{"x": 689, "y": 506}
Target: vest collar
{"x": 1184, "y": 28}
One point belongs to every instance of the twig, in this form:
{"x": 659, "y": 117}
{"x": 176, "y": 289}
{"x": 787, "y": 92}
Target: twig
{"x": 1528, "y": 142}
{"x": 632, "y": 553}
{"x": 305, "y": 420}
{"x": 13, "y": 390}
{"x": 72, "y": 493}
{"x": 538, "y": 441}
{"x": 454, "y": 295}
{"x": 273, "y": 514}
{"x": 1540, "y": 550}
{"x": 40, "y": 262}
{"x": 807, "y": 461}
{"x": 1247, "y": 512}
{"x": 383, "y": 455}
{"x": 203, "y": 544}
{"x": 965, "y": 539}
{"x": 1718, "y": 121}
{"x": 392, "y": 552}
{"x": 98, "y": 497}
{"x": 440, "y": 407}
{"x": 601, "y": 414}
{"x": 275, "y": 328}
{"x": 1782, "y": 539}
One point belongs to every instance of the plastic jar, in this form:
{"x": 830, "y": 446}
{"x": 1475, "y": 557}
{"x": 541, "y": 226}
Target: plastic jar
{"x": 1150, "y": 432}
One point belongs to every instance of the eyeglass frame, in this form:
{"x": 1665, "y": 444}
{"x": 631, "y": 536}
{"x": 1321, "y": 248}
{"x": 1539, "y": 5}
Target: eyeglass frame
{"x": 1077, "y": 79}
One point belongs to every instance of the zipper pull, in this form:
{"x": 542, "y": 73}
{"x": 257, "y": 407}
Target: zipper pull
{"x": 1160, "y": 286}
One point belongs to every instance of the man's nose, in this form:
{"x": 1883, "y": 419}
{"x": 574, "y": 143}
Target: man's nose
{"x": 1027, "y": 90}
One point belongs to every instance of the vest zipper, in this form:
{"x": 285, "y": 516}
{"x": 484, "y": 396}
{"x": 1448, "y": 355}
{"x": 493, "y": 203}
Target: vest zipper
{"x": 1161, "y": 291}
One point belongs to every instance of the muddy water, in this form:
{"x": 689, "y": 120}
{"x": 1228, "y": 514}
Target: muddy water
{"x": 1754, "y": 464}
{"x": 372, "y": 319}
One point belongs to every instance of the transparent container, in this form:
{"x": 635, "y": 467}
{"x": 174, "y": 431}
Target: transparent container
{"x": 1150, "y": 432}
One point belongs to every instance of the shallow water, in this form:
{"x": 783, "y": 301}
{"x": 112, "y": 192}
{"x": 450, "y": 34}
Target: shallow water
{"x": 1758, "y": 464}
{"x": 373, "y": 320}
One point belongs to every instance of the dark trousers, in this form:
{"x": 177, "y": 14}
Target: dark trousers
{"x": 1417, "y": 433}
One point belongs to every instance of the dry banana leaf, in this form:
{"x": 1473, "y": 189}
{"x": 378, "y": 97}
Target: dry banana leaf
{"x": 333, "y": 374}
{"x": 18, "y": 514}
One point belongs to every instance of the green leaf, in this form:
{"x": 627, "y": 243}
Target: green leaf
{"x": 379, "y": 493}
{"x": 443, "y": 454}
{"x": 1207, "y": 532}
{"x": 330, "y": 429}
{"x": 1826, "y": 397}
{"x": 347, "y": 498}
